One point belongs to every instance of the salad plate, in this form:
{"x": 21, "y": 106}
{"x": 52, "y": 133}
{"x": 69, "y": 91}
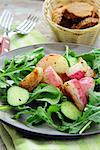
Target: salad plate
{"x": 44, "y": 130}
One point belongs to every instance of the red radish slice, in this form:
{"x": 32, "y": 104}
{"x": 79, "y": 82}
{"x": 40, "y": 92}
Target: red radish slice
{"x": 75, "y": 90}
{"x": 80, "y": 70}
{"x": 76, "y": 71}
{"x": 51, "y": 77}
{"x": 88, "y": 83}
{"x": 64, "y": 77}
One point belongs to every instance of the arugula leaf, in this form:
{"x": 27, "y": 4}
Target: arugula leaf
{"x": 97, "y": 81}
{"x": 54, "y": 115}
{"x": 19, "y": 114}
{"x": 94, "y": 98}
{"x": 28, "y": 115}
{"x": 46, "y": 116}
{"x": 45, "y": 92}
{"x": 3, "y": 84}
{"x": 95, "y": 117}
{"x": 43, "y": 115}
{"x": 3, "y": 95}
{"x": 93, "y": 59}
{"x": 70, "y": 57}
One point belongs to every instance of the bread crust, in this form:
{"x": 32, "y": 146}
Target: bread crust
{"x": 79, "y": 10}
{"x": 86, "y": 23}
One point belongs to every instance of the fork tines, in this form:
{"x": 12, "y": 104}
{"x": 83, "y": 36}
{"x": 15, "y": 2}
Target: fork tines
{"x": 28, "y": 24}
{"x": 6, "y": 20}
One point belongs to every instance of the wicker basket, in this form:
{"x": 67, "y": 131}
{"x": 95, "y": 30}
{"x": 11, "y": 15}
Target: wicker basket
{"x": 81, "y": 36}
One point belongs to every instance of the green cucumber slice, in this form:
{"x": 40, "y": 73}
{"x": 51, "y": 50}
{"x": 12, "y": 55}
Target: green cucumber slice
{"x": 70, "y": 110}
{"x": 17, "y": 96}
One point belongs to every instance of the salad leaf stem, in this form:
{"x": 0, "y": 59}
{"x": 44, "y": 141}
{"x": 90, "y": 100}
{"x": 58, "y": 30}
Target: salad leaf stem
{"x": 6, "y": 107}
{"x": 85, "y": 127}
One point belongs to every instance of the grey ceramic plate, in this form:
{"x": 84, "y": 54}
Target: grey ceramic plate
{"x": 44, "y": 130}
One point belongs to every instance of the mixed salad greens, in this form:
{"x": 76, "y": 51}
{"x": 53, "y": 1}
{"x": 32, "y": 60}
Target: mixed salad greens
{"x": 39, "y": 89}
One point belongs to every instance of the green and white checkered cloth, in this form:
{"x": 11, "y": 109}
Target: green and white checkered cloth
{"x": 35, "y": 37}
{"x": 15, "y": 141}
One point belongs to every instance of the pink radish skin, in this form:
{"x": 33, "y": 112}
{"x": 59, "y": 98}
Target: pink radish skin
{"x": 51, "y": 77}
{"x": 78, "y": 75}
{"x": 76, "y": 71}
{"x": 74, "y": 89}
{"x": 88, "y": 84}
{"x": 80, "y": 70}
{"x": 80, "y": 91}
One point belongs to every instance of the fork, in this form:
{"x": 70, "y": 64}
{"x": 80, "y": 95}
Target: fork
{"x": 26, "y": 26}
{"x": 5, "y": 22}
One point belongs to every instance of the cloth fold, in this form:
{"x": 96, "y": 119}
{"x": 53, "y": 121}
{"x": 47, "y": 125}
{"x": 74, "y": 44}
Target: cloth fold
{"x": 6, "y": 138}
{"x": 14, "y": 140}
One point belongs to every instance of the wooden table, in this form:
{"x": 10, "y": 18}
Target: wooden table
{"x": 21, "y": 9}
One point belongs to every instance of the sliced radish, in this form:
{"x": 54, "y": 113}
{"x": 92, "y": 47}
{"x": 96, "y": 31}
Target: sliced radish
{"x": 64, "y": 77}
{"x": 80, "y": 70}
{"x": 76, "y": 71}
{"x": 75, "y": 90}
{"x": 88, "y": 71}
{"x": 88, "y": 83}
{"x": 51, "y": 77}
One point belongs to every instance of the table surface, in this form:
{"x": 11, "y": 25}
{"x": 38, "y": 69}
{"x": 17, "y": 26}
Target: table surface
{"x": 21, "y": 9}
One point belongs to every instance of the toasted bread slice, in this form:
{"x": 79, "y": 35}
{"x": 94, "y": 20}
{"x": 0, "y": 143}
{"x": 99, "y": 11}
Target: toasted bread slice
{"x": 57, "y": 14}
{"x": 86, "y": 23}
{"x": 78, "y": 10}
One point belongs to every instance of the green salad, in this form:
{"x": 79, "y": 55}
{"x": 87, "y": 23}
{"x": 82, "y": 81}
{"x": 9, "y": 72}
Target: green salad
{"x": 60, "y": 90}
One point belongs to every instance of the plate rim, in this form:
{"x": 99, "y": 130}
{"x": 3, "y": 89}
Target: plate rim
{"x": 47, "y": 43}
{"x": 51, "y": 136}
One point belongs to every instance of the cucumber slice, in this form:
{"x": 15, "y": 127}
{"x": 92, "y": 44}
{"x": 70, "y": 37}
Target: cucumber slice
{"x": 70, "y": 110}
{"x": 17, "y": 96}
